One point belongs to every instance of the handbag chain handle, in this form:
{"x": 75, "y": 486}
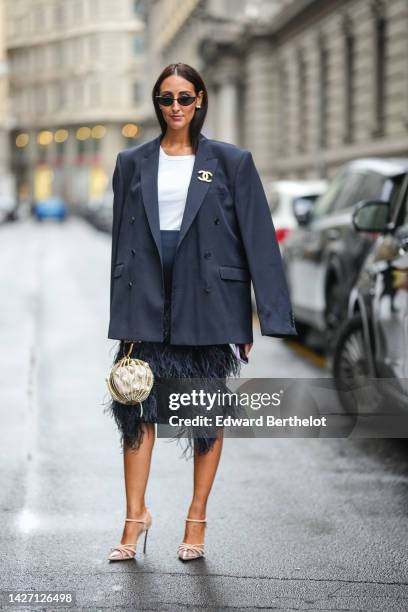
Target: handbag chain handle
{"x": 130, "y": 349}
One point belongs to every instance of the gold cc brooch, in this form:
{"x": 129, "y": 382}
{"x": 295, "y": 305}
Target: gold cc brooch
{"x": 205, "y": 176}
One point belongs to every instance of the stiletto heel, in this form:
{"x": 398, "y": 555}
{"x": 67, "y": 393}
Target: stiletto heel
{"x": 186, "y": 552}
{"x": 145, "y": 540}
{"x": 124, "y": 552}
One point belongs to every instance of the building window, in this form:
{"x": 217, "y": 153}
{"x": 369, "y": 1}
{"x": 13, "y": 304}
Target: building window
{"x": 59, "y": 14}
{"x": 41, "y": 153}
{"x": 61, "y": 148}
{"x": 95, "y": 93}
{"x": 283, "y": 110}
{"x": 380, "y": 33}
{"x": 61, "y": 95}
{"x": 302, "y": 101}
{"x": 77, "y": 50}
{"x": 349, "y": 69}
{"x": 138, "y": 43}
{"x": 40, "y": 100}
{"x": 95, "y": 146}
{"x": 82, "y": 147}
{"x": 95, "y": 9}
{"x": 58, "y": 53}
{"x": 78, "y": 92}
{"x": 94, "y": 48}
{"x": 39, "y": 18}
{"x": 139, "y": 8}
{"x": 323, "y": 95}
{"x": 136, "y": 92}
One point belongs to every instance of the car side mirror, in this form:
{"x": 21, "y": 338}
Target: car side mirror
{"x": 372, "y": 216}
{"x": 302, "y": 209}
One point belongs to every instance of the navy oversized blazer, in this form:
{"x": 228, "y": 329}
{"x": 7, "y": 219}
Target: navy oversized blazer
{"x": 227, "y": 238}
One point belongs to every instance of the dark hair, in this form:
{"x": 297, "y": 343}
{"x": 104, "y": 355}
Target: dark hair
{"x": 190, "y": 74}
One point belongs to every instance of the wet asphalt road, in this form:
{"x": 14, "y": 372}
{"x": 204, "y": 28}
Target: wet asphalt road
{"x": 293, "y": 524}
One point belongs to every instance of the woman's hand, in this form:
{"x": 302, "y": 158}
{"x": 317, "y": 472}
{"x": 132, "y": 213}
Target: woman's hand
{"x": 247, "y": 348}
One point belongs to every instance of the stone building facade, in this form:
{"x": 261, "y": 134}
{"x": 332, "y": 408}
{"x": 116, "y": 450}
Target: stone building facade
{"x": 338, "y": 82}
{"x": 306, "y": 86}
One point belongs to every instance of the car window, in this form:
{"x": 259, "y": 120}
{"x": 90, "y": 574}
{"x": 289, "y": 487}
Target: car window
{"x": 373, "y": 187}
{"x": 365, "y": 185}
{"x": 307, "y": 199}
{"x": 352, "y": 191}
{"x": 325, "y": 202}
{"x": 396, "y": 188}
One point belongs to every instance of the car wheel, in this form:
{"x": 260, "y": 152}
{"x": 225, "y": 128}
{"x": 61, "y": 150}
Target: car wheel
{"x": 351, "y": 367}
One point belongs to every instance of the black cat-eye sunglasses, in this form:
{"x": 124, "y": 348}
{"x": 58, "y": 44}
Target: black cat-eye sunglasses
{"x": 182, "y": 100}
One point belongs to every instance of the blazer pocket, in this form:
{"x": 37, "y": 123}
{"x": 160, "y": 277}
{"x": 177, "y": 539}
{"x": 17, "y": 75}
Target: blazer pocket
{"x": 118, "y": 269}
{"x": 233, "y": 273}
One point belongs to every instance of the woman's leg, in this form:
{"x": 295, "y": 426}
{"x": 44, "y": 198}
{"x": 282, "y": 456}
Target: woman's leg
{"x": 205, "y": 469}
{"x": 137, "y": 468}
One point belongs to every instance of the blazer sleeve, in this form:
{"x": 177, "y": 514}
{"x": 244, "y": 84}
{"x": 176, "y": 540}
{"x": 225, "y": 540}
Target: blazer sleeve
{"x": 118, "y": 197}
{"x": 262, "y": 252}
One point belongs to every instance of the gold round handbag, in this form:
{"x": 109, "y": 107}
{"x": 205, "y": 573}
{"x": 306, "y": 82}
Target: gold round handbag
{"x": 130, "y": 380}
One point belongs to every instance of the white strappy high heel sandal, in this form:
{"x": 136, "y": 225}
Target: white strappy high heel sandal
{"x": 186, "y": 552}
{"x": 124, "y": 552}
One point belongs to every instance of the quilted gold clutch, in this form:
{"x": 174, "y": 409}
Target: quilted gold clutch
{"x": 130, "y": 380}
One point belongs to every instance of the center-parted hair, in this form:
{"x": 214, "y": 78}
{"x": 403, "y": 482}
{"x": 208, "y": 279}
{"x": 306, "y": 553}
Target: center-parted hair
{"x": 191, "y": 75}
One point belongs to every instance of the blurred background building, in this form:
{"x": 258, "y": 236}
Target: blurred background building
{"x": 304, "y": 84}
{"x": 76, "y": 76}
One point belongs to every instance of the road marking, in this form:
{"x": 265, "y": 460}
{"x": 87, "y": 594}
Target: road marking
{"x": 308, "y": 354}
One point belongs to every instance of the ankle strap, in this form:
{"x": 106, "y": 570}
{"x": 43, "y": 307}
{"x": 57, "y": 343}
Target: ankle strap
{"x": 136, "y": 520}
{"x": 197, "y": 520}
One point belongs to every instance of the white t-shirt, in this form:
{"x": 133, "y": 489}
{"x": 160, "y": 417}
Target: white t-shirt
{"x": 173, "y": 179}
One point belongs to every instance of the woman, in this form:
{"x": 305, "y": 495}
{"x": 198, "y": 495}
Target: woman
{"x": 191, "y": 227}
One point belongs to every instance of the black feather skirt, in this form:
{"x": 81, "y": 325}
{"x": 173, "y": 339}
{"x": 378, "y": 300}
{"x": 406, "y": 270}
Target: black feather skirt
{"x": 171, "y": 364}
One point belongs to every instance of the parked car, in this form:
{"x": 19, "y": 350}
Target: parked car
{"x": 288, "y": 198}
{"x": 51, "y": 208}
{"x": 324, "y": 255}
{"x": 373, "y": 341}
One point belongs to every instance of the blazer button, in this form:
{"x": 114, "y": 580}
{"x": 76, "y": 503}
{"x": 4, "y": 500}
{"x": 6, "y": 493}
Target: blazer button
{"x": 133, "y": 219}
{"x": 207, "y": 255}
{"x": 130, "y": 284}
{"x": 133, "y": 252}
{"x": 208, "y": 289}
{"x": 217, "y": 221}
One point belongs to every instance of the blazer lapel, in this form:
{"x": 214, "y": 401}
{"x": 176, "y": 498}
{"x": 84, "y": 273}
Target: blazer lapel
{"x": 198, "y": 187}
{"x": 199, "y": 184}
